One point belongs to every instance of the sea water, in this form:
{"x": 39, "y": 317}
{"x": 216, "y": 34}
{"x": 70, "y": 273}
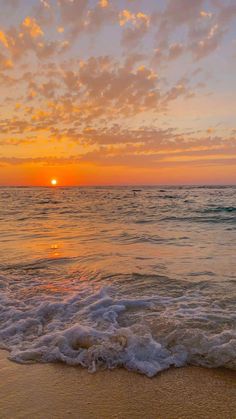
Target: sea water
{"x": 111, "y": 277}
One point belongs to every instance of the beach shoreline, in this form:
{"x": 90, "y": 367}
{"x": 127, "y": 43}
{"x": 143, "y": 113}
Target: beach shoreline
{"x": 58, "y": 391}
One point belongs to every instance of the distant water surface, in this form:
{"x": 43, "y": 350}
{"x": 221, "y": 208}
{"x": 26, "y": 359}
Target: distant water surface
{"x": 108, "y": 277}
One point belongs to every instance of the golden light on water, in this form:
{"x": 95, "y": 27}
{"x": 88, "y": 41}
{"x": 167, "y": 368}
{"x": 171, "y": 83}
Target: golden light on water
{"x": 54, "y": 182}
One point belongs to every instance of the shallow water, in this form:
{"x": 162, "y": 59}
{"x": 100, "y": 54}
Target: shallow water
{"x": 106, "y": 277}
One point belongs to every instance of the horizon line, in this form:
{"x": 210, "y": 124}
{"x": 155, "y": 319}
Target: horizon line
{"x": 121, "y": 185}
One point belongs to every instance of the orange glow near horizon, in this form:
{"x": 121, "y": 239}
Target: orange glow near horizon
{"x": 90, "y": 175}
{"x": 156, "y": 107}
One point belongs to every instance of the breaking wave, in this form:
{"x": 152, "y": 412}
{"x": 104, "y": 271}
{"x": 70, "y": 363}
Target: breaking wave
{"x": 146, "y": 335}
{"x": 141, "y": 278}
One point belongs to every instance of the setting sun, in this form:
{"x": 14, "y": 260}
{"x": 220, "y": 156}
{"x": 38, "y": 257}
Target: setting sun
{"x": 117, "y": 208}
{"x": 54, "y": 182}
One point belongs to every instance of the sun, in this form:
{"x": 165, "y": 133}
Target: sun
{"x": 54, "y": 182}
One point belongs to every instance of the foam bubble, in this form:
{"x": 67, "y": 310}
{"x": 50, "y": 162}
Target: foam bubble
{"x": 100, "y": 330}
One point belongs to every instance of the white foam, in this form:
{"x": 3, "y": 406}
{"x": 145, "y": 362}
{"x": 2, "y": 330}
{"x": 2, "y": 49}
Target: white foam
{"x": 92, "y": 349}
{"x": 101, "y": 330}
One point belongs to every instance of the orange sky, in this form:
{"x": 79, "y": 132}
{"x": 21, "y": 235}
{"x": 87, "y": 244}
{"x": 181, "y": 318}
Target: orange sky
{"x": 117, "y": 92}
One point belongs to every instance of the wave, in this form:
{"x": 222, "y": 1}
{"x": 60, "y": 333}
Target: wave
{"x": 200, "y": 219}
{"x": 166, "y": 305}
{"x": 219, "y": 209}
{"x": 128, "y": 238}
{"x": 37, "y": 264}
{"x": 102, "y": 331}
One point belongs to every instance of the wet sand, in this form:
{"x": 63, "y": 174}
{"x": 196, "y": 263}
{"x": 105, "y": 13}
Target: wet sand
{"x": 43, "y": 391}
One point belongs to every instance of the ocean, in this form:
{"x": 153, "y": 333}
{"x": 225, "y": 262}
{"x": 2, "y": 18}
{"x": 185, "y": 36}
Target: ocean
{"x": 104, "y": 277}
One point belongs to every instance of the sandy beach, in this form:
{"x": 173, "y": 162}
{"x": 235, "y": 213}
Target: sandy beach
{"x": 58, "y": 391}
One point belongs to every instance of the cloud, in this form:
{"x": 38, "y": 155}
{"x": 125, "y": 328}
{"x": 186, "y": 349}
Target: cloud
{"x": 5, "y": 63}
{"x": 104, "y": 3}
{"x": 104, "y": 86}
{"x": 205, "y": 30}
{"x": 139, "y": 24}
{"x": 29, "y": 37}
{"x": 3, "y": 39}
{"x": 205, "y": 14}
{"x": 72, "y": 11}
{"x": 72, "y": 15}
{"x": 179, "y": 12}
{"x": 175, "y": 50}
{"x": 141, "y": 148}
{"x": 78, "y": 16}
{"x": 113, "y": 100}
{"x": 99, "y": 16}
{"x": 32, "y": 27}
{"x": 207, "y": 44}
{"x": 179, "y": 89}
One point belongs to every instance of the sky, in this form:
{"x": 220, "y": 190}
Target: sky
{"x": 113, "y": 92}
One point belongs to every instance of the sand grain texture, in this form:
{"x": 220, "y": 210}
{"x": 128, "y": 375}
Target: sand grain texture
{"x": 58, "y": 391}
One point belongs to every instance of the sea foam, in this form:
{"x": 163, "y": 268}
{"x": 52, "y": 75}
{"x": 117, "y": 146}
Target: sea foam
{"x": 99, "y": 331}
{"x": 105, "y": 278}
